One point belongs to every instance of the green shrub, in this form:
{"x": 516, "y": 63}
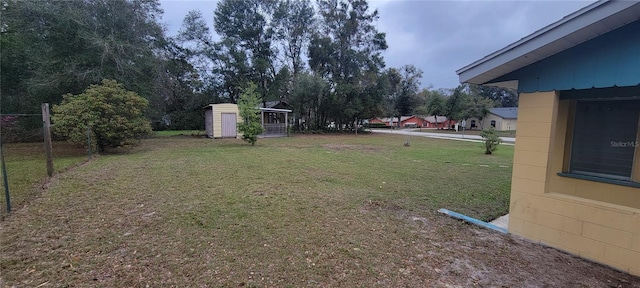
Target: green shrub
{"x": 491, "y": 140}
{"x": 112, "y": 115}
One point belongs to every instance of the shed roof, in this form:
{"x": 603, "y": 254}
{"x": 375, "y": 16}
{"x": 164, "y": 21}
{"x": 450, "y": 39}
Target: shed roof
{"x": 505, "y": 112}
{"x": 274, "y": 110}
{"x": 219, "y": 105}
{"x": 585, "y": 24}
{"x": 279, "y": 104}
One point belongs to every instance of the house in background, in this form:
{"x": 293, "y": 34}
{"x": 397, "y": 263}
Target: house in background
{"x": 411, "y": 122}
{"x": 274, "y": 116}
{"x": 416, "y": 122}
{"x": 576, "y": 167}
{"x": 221, "y": 121}
{"x": 503, "y": 119}
{"x": 276, "y": 105}
{"x": 387, "y": 121}
{"x": 275, "y": 122}
{"x": 376, "y": 121}
{"x": 442, "y": 123}
{"x": 391, "y": 122}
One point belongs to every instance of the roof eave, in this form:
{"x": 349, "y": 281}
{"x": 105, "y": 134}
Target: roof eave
{"x": 274, "y": 110}
{"x": 546, "y": 42}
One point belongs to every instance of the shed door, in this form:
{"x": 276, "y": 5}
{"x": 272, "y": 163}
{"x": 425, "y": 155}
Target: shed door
{"x": 229, "y": 125}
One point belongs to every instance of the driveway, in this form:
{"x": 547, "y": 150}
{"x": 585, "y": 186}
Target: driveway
{"x": 459, "y": 137}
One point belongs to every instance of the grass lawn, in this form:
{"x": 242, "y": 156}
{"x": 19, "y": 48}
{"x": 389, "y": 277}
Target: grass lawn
{"x": 169, "y": 133}
{"x": 306, "y": 211}
{"x": 27, "y": 168}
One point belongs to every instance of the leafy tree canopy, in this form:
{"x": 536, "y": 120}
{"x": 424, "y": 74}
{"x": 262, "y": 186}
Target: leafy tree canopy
{"x": 50, "y": 48}
{"x": 346, "y": 51}
{"x": 437, "y": 105}
{"x": 500, "y": 96}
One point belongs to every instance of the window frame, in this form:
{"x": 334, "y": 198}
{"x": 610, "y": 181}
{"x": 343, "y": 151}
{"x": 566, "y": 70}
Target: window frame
{"x": 634, "y": 178}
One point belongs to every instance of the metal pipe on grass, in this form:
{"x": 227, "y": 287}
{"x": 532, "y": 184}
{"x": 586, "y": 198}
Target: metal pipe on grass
{"x": 472, "y": 220}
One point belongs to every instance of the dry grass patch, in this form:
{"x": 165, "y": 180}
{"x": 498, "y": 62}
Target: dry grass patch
{"x": 188, "y": 212}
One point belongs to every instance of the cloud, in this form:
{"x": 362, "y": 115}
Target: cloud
{"x": 175, "y": 10}
{"x": 438, "y": 37}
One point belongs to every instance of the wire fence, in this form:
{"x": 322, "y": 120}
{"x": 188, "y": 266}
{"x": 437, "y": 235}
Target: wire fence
{"x": 21, "y": 128}
{"x": 24, "y": 159}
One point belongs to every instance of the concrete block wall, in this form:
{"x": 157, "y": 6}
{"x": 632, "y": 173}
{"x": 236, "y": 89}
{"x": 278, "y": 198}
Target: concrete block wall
{"x": 594, "y": 220}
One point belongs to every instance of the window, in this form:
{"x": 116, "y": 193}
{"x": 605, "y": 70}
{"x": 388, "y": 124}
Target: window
{"x": 473, "y": 124}
{"x": 604, "y": 139}
{"x": 493, "y": 123}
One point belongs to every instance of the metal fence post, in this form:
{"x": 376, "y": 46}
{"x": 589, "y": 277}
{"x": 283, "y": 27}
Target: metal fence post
{"x": 4, "y": 177}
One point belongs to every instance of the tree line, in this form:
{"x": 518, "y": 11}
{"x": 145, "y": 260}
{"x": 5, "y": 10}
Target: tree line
{"x": 323, "y": 58}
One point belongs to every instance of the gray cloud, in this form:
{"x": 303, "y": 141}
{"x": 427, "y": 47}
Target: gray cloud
{"x": 438, "y": 37}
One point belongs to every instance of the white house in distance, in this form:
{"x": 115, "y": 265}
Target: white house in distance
{"x": 503, "y": 119}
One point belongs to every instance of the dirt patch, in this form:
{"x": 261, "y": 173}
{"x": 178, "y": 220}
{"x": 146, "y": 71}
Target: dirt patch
{"x": 467, "y": 255}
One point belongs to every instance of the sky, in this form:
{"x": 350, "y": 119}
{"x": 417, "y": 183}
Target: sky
{"x": 439, "y": 37}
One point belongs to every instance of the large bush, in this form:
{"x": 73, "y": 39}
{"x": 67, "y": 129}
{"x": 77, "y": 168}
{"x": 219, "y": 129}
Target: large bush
{"x": 112, "y": 115}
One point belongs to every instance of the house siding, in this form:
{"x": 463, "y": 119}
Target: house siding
{"x": 501, "y": 123}
{"x": 594, "y": 220}
{"x": 609, "y": 60}
{"x": 413, "y": 120}
{"x": 376, "y": 120}
{"x": 441, "y": 125}
{"x": 478, "y": 124}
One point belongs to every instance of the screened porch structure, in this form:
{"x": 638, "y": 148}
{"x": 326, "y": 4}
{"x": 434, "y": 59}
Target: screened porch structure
{"x": 275, "y": 122}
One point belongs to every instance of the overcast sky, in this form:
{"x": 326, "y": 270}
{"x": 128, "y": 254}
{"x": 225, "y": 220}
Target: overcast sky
{"x": 439, "y": 37}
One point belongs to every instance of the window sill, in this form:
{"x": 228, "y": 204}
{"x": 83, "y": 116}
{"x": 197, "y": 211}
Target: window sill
{"x": 600, "y": 179}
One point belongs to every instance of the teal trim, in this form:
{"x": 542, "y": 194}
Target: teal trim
{"x": 627, "y": 93}
{"x": 612, "y": 59}
{"x": 600, "y": 179}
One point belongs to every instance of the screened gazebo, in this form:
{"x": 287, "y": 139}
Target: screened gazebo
{"x": 275, "y": 122}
